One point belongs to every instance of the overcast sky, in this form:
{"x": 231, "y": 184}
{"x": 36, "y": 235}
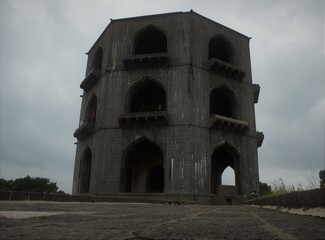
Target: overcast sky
{"x": 43, "y": 45}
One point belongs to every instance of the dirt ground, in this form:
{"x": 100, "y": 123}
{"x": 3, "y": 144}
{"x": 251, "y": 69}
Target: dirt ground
{"x": 136, "y": 221}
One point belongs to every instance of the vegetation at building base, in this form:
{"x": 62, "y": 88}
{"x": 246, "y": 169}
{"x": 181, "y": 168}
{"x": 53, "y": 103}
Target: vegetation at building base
{"x": 322, "y": 178}
{"x": 30, "y": 184}
{"x": 279, "y": 186}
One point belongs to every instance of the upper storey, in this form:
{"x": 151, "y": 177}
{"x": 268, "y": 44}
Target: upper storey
{"x": 169, "y": 40}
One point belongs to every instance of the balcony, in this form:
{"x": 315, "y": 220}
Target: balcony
{"x": 226, "y": 69}
{"x": 91, "y": 78}
{"x": 256, "y": 89}
{"x": 225, "y": 123}
{"x": 260, "y": 138}
{"x": 146, "y": 60}
{"x": 85, "y": 130}
{"x": 159, "y": 118}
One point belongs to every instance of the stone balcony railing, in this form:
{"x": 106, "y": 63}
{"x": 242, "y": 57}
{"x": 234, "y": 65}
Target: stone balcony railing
{"x": 143, "y": 118}
{"x": 146, "y": 60}
{"x": 256, "y": 89}
{"x": 226, "y": 123}
{"x": 226, "y": 69}
{"x": 260, "y": 138}
{"x": 85, "y": 130}
{"x": 91, "y": 78}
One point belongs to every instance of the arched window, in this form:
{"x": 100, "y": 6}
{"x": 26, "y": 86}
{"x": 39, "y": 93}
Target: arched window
{"x": 150, "y": 40}
{"x": 85, "y": 171}
{"x": 224, "y": 157}
{"x": 147, "y": 96}
{"x": 222, "y": 102}
{"x": 143, "y": 168}
{"x": 98, "y": 58}
{"x": 219, "y": 48}
{"x": 90, "y": 116}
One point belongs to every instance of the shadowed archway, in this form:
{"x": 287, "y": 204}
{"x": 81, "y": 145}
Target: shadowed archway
{"x": 147, "y": 96}
{"x": 143, "y": 168}
{"x": 224, "y": 156}
{"x": 150, "y": 40}
{"x": 223, "y": 102}
{"x": 221, "y": 49}
{"x": 85, "y": 171}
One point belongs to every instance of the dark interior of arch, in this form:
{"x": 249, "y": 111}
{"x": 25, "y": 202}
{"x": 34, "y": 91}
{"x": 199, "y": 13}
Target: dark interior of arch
{"x": 143, "y": 170}
{"x": 91, "y": 110}
{"x": 220, "y": 103}
{"x": 85, "y": 171}
{"x": 222, "y": 158}
{"x": 148, "y": 97}
{"x": 98, "y": 58}
{"x": 149, "y": 41}
{"x": 220, "y": 49}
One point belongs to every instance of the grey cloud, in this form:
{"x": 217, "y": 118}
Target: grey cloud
{"x": 43, "y": 62}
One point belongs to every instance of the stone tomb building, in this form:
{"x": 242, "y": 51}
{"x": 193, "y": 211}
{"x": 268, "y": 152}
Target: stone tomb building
{"x": 168, "y": 105}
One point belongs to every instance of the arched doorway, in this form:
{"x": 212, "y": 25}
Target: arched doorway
{"x": 155, "y": 180}
{"x": 223, "y": 103}
{"x": 85, "y": 172}
{"x": 221, "y": 49}
{"x": 97, "y": 63}
{"x": 90, "y": 116}
{"x": 222, "y": 158}
{"x": 150, "y": 40}
{"x": 147, "y": 96}
{"x": 143, "y": 168}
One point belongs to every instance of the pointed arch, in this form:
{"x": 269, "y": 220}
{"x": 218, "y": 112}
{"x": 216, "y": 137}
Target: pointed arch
{"x": 224, "y": 156}
{"x": 85, "y": 171}
{"x": 142, "y": 167}
{"x": 224, "y": 102}
{"x": 221, "y": 48}
{"x": 98, "y": 59}
{"x": 149, "y": 40}
{"x": 228, "y": 176}
{"x": 147, "y": 95}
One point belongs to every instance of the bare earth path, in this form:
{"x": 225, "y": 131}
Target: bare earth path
{"x": 53, "y": 220}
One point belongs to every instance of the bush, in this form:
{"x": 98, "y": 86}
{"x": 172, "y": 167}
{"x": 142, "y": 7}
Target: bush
{"x": 264, "y": 189}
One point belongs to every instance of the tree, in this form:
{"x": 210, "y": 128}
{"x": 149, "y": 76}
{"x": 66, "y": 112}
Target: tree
{"x": 29, "y": 184}
{"x": 264, "y": 189}
{"x": 322, "y": 178}
{"x": 5, "y": 185}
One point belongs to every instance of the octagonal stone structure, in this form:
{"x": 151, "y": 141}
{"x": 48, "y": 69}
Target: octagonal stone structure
{"x": 168, "y": 105}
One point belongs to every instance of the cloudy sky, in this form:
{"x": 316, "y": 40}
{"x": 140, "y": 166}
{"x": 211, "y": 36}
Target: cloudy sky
{"x": 42, "y": 49}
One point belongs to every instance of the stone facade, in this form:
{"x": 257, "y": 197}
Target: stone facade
{"x": 168, "y": 104}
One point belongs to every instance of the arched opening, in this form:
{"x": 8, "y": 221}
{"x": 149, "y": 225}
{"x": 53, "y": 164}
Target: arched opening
{"x": 97, "y": 63}
{"x": 151, "y": 40}
{"x": 85, "y": 171}
{"x": 148, "y": 96}
{"x": 228, "y": 177}
{"x": 222, "y": 158}
{"x": 143, "y": 169}
{"x": 220, "y": 49}
{"x": 155, "y": 182}
{"x": 90, "y": 116}
{"x": 222, "y": 103}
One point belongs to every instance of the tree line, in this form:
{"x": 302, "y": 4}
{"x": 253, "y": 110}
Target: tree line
{"x": 30, "y": 184}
